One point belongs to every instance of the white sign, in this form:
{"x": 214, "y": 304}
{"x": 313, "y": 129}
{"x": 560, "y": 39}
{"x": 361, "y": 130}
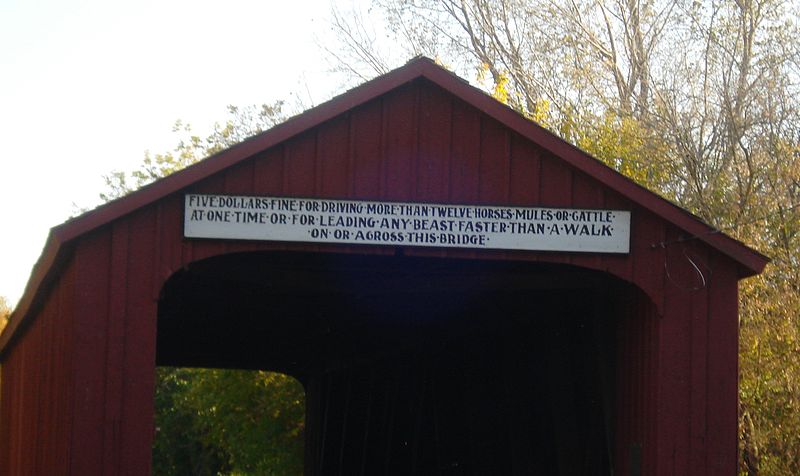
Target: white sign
{"x": 406, "y": 224}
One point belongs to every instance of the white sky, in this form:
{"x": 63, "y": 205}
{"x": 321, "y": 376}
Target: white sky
{"x": 86, "y": 86}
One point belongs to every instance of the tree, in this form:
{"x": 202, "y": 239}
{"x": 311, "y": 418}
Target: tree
{"x": 697, "y": 100}
{"x": 695, "y": 76}
{"x": 212, "y": 421}
{"x": 5, "y": 312}
{"x": 241, "y": 123}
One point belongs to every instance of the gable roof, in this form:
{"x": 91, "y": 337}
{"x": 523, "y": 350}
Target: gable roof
{"x": 751, "y": 262}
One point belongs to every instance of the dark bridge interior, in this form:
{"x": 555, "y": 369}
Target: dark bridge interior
{"x": 415, "y": 365}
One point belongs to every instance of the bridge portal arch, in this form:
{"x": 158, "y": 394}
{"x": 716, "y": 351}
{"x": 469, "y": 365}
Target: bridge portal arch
{"x": 419, "y": 364}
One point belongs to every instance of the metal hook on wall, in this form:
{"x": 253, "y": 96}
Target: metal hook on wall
{"x": 702, "y": 280}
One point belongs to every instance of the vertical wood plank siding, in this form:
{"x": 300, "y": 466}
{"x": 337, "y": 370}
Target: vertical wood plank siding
{"x": 36, "y": 395}
{"x": 77, "y": 387}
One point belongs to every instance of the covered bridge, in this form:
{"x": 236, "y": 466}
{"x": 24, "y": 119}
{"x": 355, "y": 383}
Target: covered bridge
{"x": 458, "y": 290}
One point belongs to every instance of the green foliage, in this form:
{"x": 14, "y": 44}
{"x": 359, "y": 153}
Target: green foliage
{"x": 622, "y": 142}
{"x": 178, "y": 449}
{"x": 212, "y": 421}
{"x": 770, "y": 326}
{"x": 770, "y": 365}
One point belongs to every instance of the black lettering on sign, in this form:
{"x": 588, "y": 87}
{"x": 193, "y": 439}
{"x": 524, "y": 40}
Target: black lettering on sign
{"x": 414, "y": 224}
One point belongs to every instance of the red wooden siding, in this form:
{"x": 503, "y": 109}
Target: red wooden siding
{"x": 77, "y": 385}
{"x": 635, "y": 391}
{"x": 419, "y": 143}
{"x": 36, "y": 395}
{"x": 114, "y": 317}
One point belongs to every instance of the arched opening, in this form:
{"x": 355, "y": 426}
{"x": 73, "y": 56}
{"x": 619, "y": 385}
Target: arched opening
{"x": 417, "y": 365}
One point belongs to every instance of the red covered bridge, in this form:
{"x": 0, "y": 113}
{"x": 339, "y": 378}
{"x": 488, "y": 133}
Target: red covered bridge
{"x": 460, "y": 292}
